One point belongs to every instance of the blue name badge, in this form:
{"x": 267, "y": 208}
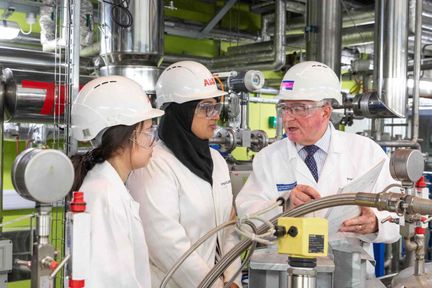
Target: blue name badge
{"x": 286, "y": 187}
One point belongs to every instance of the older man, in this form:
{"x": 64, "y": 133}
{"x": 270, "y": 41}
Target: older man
{"x": 315, "y": 159}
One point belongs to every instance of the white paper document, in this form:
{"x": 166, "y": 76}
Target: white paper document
{"x": 365, "y": 183}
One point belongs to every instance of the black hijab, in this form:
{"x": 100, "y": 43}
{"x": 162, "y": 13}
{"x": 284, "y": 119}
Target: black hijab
{"x": 175, "y": 129}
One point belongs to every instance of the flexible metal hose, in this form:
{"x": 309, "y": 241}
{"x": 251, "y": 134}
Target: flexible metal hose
{"x": 247, "y": 258}
{"x": 204, "y": 238}
{"x": 393, "y": 202}
{"x": 192, "y": 249}
{"x": 325, "y": 202}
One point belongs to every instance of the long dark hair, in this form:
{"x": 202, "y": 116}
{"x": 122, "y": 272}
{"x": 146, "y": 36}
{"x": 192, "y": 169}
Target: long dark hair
{"x": 113, "y": 139}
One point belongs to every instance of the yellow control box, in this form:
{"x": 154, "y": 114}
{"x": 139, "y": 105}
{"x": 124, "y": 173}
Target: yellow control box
{"x": 304, "y": 238}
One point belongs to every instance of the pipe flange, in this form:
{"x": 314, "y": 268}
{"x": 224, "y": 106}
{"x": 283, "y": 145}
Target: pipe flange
{"x": 226, "y": 138}
{"x": 259, "y": 140}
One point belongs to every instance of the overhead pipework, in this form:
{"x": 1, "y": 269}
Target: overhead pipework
{"x": 323, "y": 33}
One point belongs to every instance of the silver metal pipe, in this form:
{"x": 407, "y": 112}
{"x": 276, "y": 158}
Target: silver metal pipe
{"x": 263, "y": 100}
{"x": 265, "y": 46}
{"x": 73, "y": 70}
{"x": 399, "y": 143}
{"x": 268, "y": 91}
{"x": 297, "y": 25}
{"x": 244, "y": 115}
{"x": 273, "y": 61}
{"x": 11, "y": 56}
{"x": 2, "y": 109}
{"x": 279, "y": 124}
{"x": 193, "y": 31}
{"x": 33, "y": 105}
{"x": 425, "y": 87}
{"x": 323, "y": 32}
{"x": 265, "y": 21}
{"x": 426, "y": 16}
{"x": 391, "y": 53}
{"x": 419, "y": 265}
{"x": 396, "y": 257}
{"x": 417, "y": 64}
{"x": 292, "y": 6}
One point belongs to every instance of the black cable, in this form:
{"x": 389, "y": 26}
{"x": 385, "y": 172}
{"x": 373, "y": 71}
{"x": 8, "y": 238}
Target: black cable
{"x": 120, "y": 13}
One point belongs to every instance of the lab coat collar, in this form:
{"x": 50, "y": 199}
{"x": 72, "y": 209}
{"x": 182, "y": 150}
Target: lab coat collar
{"x": 323, "y": 143}
{"x": 336, "y": 142}
{"x": 335, "y": 146}
{"x": 106, "y": 169}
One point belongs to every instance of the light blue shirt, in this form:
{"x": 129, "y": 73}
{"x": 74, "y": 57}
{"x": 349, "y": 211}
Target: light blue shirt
{"x": 320, "y": 156}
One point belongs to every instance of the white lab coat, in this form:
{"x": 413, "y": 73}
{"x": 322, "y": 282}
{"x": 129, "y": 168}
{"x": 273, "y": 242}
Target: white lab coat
{"x": 178, "y": 208}
{"x": 118, "y": 250}
{"x": 278, "y": 167}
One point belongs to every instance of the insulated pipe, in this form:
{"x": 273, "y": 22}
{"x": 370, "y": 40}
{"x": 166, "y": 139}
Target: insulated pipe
{"x": 2, "y": 104}
{"x": 417, "y": 64}
{"x": 391, "y": 54}
{"x": 323, "y": 33}
{"x": 74, "y": 27}
{"x": 424, "y": 86}
{"x": 354, "y": 19}
{"x": 28, "y": 58}
{"x": 393, "y": 202}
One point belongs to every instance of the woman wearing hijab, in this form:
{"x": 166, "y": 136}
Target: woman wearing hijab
{"x": 186, "y": 190}
{"x": 116, "y": 115}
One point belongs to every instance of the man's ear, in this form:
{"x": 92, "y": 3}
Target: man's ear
{"x": 327, "y": 111}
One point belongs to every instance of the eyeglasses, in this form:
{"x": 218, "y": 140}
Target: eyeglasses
{"x": 208, "y": 110}
{"x": 147, "y": 138}
{"x": 299, "y": 110}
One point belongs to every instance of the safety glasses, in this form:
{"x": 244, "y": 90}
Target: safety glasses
{"x": 299, "y": 110}
{"x": 208, "y": 110}
{"x": 147, "y": 138}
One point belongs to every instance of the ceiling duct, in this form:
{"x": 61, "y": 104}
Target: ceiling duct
{"x": 132, "y": 40}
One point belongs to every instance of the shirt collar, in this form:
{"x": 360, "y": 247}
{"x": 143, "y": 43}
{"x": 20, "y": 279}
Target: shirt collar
{"x": 323, "y": 143}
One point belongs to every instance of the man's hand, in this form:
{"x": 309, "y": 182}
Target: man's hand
{"x": 366, "y": 223}
{"x": 302, "y": 194}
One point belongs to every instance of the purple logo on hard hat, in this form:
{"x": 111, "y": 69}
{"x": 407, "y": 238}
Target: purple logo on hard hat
{"x": 287, "y": 85}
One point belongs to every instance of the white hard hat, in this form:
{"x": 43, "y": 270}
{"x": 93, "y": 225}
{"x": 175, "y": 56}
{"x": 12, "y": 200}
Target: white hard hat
{"x": 109, "y": 101}
{"x": 312, "y": 81}
{"x": 186, "y": 81}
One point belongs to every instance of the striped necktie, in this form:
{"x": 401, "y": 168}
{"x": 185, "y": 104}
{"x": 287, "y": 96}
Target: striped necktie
{"x": 310, "y": 161}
